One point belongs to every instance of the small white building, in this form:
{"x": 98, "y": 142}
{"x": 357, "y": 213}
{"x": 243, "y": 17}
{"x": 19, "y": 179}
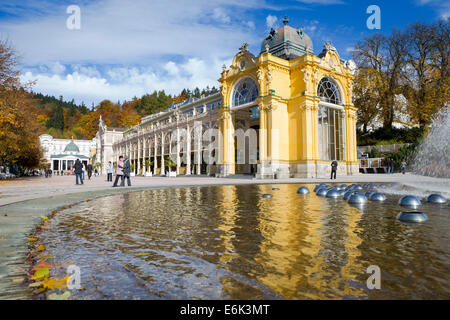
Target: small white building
{"x": 62, "y": 153}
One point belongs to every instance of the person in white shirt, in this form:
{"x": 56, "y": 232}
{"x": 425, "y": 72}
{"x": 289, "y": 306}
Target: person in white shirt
{"x": 109, "y": 171}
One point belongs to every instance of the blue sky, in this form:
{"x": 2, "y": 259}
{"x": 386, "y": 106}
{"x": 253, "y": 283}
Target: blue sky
{"x": 128, "y": 48}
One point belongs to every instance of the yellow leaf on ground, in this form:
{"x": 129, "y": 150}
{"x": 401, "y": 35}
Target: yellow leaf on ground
{"x": 53, "y": 284}
{"x": 32, "y": 239}
{"x": 140, "y": 254}
{"x": 41, "y": 273}
{"x": 44, "y": 218}
{"x": 55, "y": 296}
{"x": 35, "y": 284}
{"x": 41, "y": 248}
{"x": 17, "y": 280}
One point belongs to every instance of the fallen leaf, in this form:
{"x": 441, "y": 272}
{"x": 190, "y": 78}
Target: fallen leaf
{"x": 41, "y": 273}
{"x": 41, "y": 265}
{"x": 18, "y": 279}
{"x": 140, "y": 254}
{"x": 53, "y": 284}
{"x": 35, "y": 285}
{"x": 55, "y": 296}
{"x": 41, "y": 248}
{"x": 44, "y": 218}
{"x": 47, "y": 257}
{"x": 32, "y": 239}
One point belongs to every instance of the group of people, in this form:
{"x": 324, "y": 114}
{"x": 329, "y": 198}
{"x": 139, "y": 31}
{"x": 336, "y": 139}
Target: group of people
{"x": 80, "y": 170}
{"x": 123, "y": 171}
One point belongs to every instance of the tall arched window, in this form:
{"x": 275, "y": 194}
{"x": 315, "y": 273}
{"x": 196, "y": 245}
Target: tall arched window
{"x": 245, "y": 91}
{"x": 328, "y": 91}
{"x": 330, "y": 121}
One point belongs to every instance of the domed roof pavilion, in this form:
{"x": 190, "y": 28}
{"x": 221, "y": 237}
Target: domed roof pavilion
{"x": 287, "y": 42}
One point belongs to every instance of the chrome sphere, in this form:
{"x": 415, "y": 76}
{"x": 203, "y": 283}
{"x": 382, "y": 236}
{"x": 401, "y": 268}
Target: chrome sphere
{"x": 358, "y": 187}
{"x": 409, "y": 201}
{"x": 343, "y": 186}
{"x": 275, "y": 188}
{"x": 370, "y": 186}
{"x": 342, "y": 192}
{"x": 348, "y": 194}
{"x": 303, "y": 190}
{"x": 368, "y": 194}
{"x": 267, "y": 196}
{"x": 333, "y": 193}
{"x": 436, "y": 198}
{"x": 357, "y": 199}
{"x": 412, "y": 217}
{"x": 317, "y": 187}
{"x": 322, "y": 192}
{"x": 377, "y": 197}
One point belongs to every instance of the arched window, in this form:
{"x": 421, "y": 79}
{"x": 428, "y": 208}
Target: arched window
{"x": 330, "y": 121}
{"x": 245, "y": 91}
{"x": 328, "y": 90}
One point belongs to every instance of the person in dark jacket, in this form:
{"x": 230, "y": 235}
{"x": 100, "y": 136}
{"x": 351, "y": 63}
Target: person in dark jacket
{"x": 89, "y": 170}
{"x": 78, "y": 170}
{"x": 334, "y": 166}
{"x": 126, "y": 172}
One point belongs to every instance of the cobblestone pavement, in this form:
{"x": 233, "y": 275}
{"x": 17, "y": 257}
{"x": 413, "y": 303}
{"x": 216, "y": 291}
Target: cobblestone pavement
{"x": 23, "y": 201}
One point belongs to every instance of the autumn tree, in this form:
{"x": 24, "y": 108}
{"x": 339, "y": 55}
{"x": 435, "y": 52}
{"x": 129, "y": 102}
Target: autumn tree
{"x": 19, "y": 130}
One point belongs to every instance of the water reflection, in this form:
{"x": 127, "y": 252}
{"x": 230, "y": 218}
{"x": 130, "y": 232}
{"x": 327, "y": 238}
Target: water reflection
{"x": 228, "y": 242}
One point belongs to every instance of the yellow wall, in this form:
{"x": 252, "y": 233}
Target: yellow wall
{"x": 288, "y": 104}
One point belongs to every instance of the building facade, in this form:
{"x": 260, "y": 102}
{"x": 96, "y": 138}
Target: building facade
{"x": 285, "y": 113}
{"x": 62, "y": 153}
{"x": 104, "y": 139}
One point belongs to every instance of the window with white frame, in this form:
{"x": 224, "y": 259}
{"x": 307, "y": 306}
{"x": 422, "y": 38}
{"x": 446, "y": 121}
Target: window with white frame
{"x": 330, "y": 121}
{"x": 245, "y": 91}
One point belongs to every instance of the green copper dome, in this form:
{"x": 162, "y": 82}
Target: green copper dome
{"x": 287, "y": 42}
{"x": 71, "y": 147}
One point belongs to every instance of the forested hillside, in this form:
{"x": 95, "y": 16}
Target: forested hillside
{"x": 63, "y": 119}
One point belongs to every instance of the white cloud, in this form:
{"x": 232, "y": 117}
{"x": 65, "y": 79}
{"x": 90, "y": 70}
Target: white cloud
{"x": 123, "y": 83}
{"x": 271, "y": 21}
{"x": 251, "y": 24}
{"x": 220, "y": 15}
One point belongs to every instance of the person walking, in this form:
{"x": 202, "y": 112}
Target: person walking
{"x": 119, "y": 171}
{"x": 84, "y": 170}
{"x": 89, "y": 171}
{"x": 392, "y": 165}
{"x": 334, "y": 166}
{"x": 126, "y": 172}
{"x": 109, "y": 171}
{"x": 403, "y": 165}
{"x": 78, "y": 170}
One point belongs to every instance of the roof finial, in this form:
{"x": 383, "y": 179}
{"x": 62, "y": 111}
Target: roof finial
{"x": 285, "y": 20}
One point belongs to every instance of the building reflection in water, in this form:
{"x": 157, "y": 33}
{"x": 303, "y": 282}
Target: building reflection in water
{"x": 229, "y": 242}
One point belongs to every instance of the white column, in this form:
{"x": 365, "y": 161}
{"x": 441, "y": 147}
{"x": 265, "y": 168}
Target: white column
{"x": 188, "y": 150}
{"x": 178, "y": 160}
{"x": 155, "y": 158}
{"x": 162, "y": 153}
